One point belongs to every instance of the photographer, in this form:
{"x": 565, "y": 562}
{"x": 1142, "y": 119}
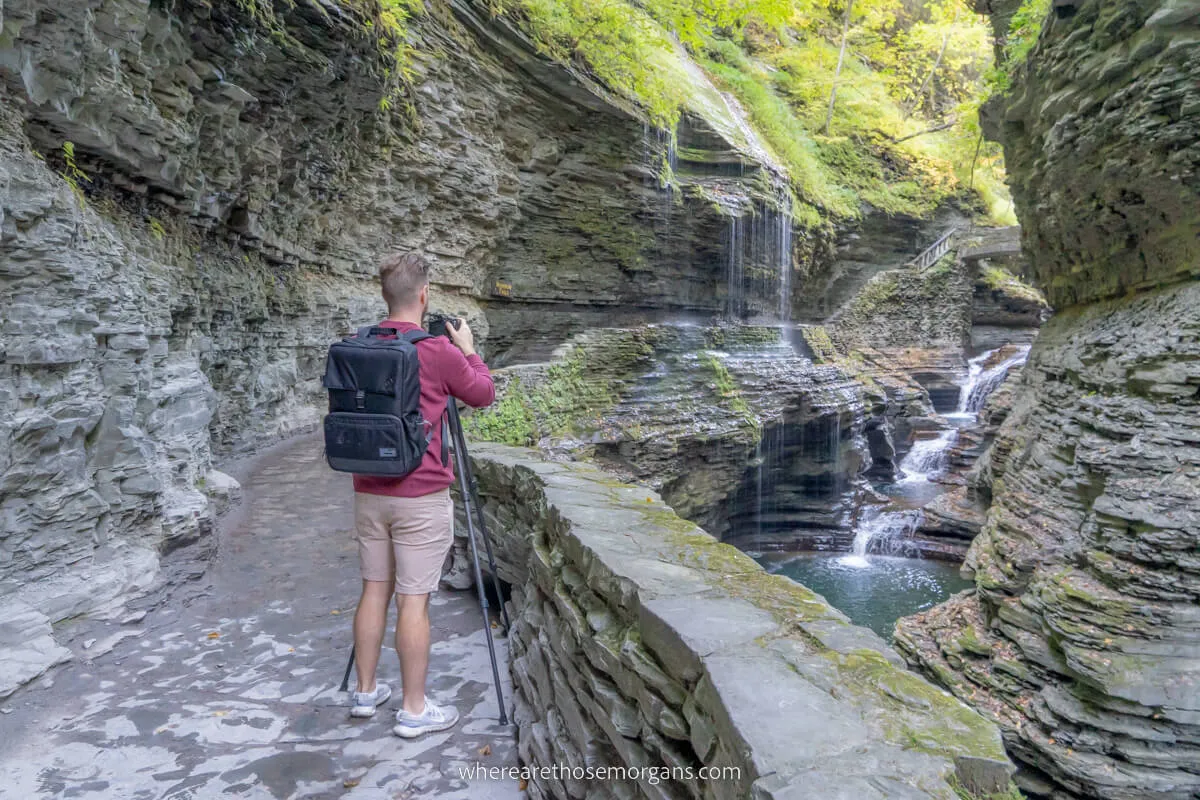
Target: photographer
{"x": 404, "y": 526}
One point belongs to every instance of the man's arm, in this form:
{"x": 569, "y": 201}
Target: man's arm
{"x": 466, "y": 376}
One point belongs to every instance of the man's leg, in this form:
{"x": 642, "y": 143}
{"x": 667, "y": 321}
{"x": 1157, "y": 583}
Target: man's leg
{"x": 371, "y": 522}
{"x": 422, "y": 539}
{"x": 370, "y": 621}
{"x": 412, "y": 643}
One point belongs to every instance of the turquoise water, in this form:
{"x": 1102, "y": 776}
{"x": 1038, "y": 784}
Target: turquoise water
{"x": 874, "y": 592}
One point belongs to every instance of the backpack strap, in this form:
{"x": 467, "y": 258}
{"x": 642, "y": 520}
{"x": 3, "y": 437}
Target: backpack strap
{"x": 367, "y": 331}
{"x": 445, "y": 440}
{"x": 420, "y": 336}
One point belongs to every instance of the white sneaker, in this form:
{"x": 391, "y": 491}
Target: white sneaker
{"x": 362, "y": 704}
{"x": 433, "y": 718}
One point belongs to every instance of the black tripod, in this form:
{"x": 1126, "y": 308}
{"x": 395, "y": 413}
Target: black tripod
{"x": 469, "y": 489}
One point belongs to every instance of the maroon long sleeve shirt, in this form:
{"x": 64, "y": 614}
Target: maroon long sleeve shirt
{"x": 445, "y": 372}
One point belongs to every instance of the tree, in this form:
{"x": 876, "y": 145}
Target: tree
{"x": 937, "y": 62}
{"x": 837, "y": 73}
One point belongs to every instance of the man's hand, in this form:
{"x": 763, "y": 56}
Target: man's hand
{"x": 462, "y": 337}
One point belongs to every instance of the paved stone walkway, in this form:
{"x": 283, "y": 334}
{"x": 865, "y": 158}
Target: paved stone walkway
{"x": 228, "y": 687}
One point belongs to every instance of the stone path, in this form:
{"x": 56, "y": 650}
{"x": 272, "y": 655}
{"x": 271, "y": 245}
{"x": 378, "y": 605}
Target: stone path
{"x": 228, "y": 688}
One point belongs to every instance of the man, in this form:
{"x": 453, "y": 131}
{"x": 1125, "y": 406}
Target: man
{"x": 404, "y": 525}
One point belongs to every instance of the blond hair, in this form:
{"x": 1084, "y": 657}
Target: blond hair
{"x": 401, "y": 277}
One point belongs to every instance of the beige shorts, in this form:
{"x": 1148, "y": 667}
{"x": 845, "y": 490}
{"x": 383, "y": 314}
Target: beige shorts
{"x": 404, "y": 538}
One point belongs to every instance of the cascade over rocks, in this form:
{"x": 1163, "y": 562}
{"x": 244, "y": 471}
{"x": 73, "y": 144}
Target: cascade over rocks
{"x": 1083, "y": 638}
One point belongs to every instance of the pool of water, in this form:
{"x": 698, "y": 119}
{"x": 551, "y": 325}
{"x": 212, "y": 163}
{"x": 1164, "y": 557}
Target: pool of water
{"x": 874, "y": 591}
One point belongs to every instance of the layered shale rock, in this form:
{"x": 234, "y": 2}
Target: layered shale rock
{"x": 1083, "y": 636}
{"x": 735, "y": 427}
{"x": 193, "y": 197}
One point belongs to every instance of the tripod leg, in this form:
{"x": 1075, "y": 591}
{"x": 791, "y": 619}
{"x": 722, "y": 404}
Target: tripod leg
{"x": 345, "y": 687}
{"x": 487, "y": 546}
{"x": 460, "y": 457}
{"x": 468, "y": 475}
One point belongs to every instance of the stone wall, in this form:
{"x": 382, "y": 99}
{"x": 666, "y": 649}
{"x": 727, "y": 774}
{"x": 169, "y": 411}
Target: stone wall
{"x": 1083, "y": 638}
{"x": 641, "y": 641}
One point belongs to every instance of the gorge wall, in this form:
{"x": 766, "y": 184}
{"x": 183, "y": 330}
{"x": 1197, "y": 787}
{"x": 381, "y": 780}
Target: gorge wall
{"x": 1082, "y": 638}
{"x": 193, "y": 198}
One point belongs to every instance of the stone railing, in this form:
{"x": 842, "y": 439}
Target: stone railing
{"x": 640, "y": 642}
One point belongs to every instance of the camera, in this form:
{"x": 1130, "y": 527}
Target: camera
{"x": 436, "y": 323}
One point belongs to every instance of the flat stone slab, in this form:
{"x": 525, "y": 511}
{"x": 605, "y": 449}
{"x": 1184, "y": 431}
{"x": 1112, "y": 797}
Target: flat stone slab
{"x": 27, "y": 648}
{"x": 231, "y": 688}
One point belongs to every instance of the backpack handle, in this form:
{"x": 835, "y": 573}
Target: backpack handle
{"x": 375, "y": 331}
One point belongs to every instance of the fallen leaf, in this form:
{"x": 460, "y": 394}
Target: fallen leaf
{"x": 220, "y": 713}
{"x": 522, "y": 783}
{"x": 335, "y": 612}
{"x": 291, "y": 649}
{"x": 214, "y": 635}
{"x": 486, "y": 750}
{"x": 350, "y": 783}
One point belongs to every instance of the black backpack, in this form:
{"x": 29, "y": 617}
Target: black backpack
{"x": 374, "y": 425}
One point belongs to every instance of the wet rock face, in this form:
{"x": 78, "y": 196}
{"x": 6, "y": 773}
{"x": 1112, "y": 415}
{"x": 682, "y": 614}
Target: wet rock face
{"x": 1087, "y": 638}
{"x": 1102, "y": 147}
{"x": 1082, "y": 638}
{"x": 734, "y": 427}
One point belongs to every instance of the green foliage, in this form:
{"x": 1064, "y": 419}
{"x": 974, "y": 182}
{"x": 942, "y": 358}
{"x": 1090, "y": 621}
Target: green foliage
{"x": 509, "y": 421}
{"x": 620, "y": 42}
{"x": 1001, "y": 280}
{"x": 568, "y": 394}
{"x": 878, "y": 291}
{"x": 559, "y": 404}
{"x": 727, "y": 389}
{"x": 384, "y": 22}
{"x": 904, "y": 132}
{"x": 814, "y": 182}
{"x": 72, "y": 174}
{"x": 1023, "y": 31}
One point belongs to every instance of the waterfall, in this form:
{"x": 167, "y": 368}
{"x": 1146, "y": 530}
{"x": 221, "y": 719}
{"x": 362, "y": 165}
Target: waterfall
{"x": 736, "y": 267}
{"x": 661, "y": 158}
{"x": 762, "y": 467}
{"x": 759, "y": 258}
{"x": 982, "y": 382}
{"x": 835, "y": 448}
{"x": 785, "y": 260}
{"x": 927, "y": 457}
{"x": 877, "y": 528}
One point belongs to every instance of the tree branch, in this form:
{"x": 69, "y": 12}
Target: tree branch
{"x": 934, "y": 129}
